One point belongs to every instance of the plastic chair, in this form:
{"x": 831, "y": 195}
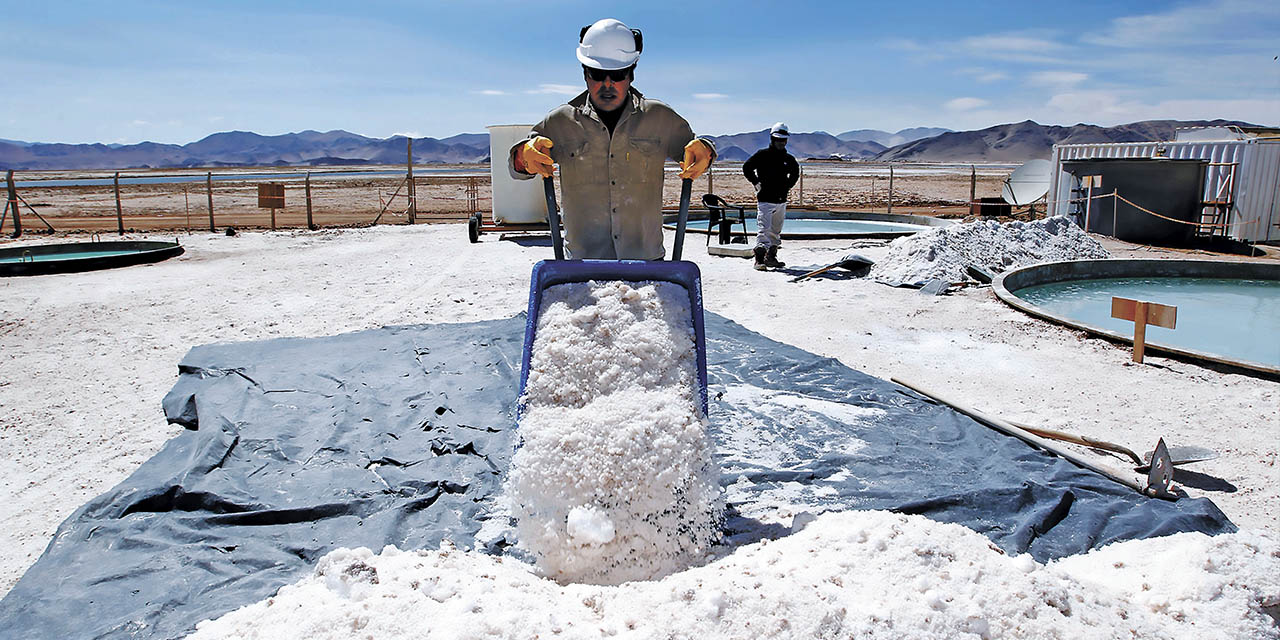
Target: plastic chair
{"x": 719, "y": 215}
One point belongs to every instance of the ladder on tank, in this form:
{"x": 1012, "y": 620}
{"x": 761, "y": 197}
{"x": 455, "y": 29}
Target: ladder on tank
{"x": 1216, "y": 209}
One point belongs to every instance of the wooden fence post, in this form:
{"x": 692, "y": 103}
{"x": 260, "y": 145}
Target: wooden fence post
{"x": 13, "y": 206}
{"x": 973, "y": 186}
{"x": 890, "y": 188}
{"x": 413, "y": 188}
{"x": 310, "y": 225}
{"x": 208, "y": 178}
{"x": 801, "y": 202}
{"x": 119, "y": 213}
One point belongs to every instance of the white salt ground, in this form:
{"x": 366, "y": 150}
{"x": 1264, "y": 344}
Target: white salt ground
{"x": 85, "y": 359}
{"x": 869, "y": 574}
{"x": 613, "y": 480}
{"x": 945, "y": 252}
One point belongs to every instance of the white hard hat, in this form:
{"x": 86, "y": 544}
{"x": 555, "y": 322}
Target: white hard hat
{"x": 779, "y": 130}
{"x": 608, "y": 44}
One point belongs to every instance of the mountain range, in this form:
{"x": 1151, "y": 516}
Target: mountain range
{"x": 1016, "y": 142}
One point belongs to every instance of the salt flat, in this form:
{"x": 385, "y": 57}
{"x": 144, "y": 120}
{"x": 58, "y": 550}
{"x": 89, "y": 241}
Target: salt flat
{"x": 86, "y": 358}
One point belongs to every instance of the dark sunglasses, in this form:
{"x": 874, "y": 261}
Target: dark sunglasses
{"x": 616, "y": 75}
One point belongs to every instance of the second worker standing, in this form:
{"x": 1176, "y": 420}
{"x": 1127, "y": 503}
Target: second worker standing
{"x": 773, "y": 172}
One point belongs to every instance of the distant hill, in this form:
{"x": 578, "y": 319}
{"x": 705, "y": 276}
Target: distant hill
{"x": 740, "y": 146}
{"x": 1028, "y": 140}
{"x": 1017, "y": 142}
{"x": 890, "y": 139}
{"x": 245, "y": 148}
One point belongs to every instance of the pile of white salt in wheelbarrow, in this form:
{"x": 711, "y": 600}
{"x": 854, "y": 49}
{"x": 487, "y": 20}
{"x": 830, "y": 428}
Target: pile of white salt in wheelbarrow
{"x": 613, "y": 480}
{"x": 944, "y": 253}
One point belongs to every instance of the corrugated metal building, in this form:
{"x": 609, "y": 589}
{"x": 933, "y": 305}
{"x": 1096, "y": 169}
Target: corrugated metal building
{"x": 1244, "y": 171}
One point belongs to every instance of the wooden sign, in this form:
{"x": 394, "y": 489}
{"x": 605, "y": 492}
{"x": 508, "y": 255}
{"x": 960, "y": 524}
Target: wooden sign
{"x": 271, "y": 195}
{"x": 1142, "y": 314}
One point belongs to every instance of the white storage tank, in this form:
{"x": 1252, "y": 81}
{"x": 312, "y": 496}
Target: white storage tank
{"x": 514, "y": 201}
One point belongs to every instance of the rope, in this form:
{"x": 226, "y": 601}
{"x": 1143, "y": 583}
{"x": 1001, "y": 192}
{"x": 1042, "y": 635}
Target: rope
{"x": 1196, "y": 224}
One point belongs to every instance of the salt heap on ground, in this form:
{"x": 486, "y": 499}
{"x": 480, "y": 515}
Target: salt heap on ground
{"x": 861, "y": 574}
{"x": 945, "y": 252}
{"x": 614, "y": 479}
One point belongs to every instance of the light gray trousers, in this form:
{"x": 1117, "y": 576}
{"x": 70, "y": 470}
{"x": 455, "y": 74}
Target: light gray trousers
{"x": 769, "y": 217}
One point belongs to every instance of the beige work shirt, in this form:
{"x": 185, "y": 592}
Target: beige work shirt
{"x": 611, "y": 186}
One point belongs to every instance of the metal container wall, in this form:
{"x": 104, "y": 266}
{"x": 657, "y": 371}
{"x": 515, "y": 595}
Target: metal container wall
{"x": 1257, "y": 179}
{"x": 1170, "y": 187}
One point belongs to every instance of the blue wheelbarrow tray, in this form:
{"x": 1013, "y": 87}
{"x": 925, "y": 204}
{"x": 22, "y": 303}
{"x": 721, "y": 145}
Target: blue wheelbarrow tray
{"x": 549, "y": 273}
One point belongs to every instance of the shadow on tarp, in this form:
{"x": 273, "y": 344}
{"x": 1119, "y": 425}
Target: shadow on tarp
{"x": 401, "y": 435}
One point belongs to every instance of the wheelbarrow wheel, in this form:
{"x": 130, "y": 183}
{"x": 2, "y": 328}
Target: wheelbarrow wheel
{"x": 473, "y": 228}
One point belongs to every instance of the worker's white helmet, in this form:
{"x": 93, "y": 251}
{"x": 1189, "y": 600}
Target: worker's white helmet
{"x": 779, "y": 130}
{"x": 608, "y": 44}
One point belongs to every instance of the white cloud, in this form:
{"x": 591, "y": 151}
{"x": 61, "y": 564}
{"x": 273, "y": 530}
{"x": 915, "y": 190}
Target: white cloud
{"x": 557, "y": 89}
{"x": 710, "y": 96}
{"x": 1010, "y": 43}
{"x": 903, "y": 44}
{"x": 1203, "y": 22}
{"x": 216, "y": 118}
{"x": 408, "y": 134}
{"x": 1057, "y": 78}
{"x": 140, "y": 123}
{"x": 965, "y": 104}
{"x": 983, "y": 75}
{"x": 491, "y": 92}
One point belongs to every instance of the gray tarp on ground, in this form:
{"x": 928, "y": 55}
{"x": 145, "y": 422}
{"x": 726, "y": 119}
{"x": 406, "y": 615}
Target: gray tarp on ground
{"x": 401, "y": 435}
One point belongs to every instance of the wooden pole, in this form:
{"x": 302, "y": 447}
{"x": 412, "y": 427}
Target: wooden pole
{"x": 208, "y": 180}
{"x": 801, "y": 203}
{"x": 710, "y": 183}
{"x": 1115, "y": 233}
{"x": 310, "y": 225}
{"x": 1139, "y": 332}
{"x": 413, "y": 189}
{"x": 119, "y": 213}
{"x": 1088, "y": 204}
{"x": 890, "y": 188}
{"x": 973, "y": 185}
{"x": 13, "y": 206}
{"x": 186, "y": 198}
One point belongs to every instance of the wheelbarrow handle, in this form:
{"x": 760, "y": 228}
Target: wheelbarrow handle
{"x": 553, "y": 216}
{"x": 686, "y": 190}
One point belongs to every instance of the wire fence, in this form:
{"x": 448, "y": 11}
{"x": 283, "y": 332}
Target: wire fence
{"x": 169, "y": 200}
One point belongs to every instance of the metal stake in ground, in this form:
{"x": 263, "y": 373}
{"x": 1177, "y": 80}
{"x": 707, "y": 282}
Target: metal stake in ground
{"x": 1141, "y": 314}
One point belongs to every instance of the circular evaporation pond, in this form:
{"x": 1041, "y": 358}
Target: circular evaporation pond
{"x": 811, "y": 228}
{"x": 82, "y": 256}
{"x": 1222, "y": 316}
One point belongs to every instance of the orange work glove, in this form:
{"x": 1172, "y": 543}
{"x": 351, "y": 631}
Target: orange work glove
{"x": 697, "y": 159}
{"x": 532, "y": 157}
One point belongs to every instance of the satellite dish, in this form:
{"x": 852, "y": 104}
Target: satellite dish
{"x": 1027, "y": 183}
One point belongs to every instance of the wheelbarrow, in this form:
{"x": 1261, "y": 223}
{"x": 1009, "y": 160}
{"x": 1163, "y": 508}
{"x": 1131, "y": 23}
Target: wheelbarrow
{"x": 548, "y": 273}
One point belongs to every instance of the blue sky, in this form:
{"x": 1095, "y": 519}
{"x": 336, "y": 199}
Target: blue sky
{"x": 130, "y": 71}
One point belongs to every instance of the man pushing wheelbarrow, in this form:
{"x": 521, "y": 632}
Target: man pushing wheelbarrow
{"x": 611, "y": 143}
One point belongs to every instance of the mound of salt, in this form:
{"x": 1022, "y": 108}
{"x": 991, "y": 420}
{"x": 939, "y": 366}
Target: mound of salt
{"x": 945, "y": 252}
{"x": 614, "y": 479}
{"x": 861, "y": 574}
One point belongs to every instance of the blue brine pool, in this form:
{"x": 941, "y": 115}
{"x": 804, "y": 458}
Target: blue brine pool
{"x": 1235, "y": 318}
{"x": 71, "y": 255}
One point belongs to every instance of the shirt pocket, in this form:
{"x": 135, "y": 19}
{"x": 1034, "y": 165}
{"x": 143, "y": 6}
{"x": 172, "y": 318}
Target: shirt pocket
{"x": 575, "y": 153}
{"x": 646, "y": 158}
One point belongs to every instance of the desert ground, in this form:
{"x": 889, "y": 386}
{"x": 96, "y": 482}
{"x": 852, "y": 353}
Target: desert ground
{"x": 85, "y": 358}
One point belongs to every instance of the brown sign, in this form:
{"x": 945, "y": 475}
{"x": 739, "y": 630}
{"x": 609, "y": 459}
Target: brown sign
{"x": 271, "y": 195}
